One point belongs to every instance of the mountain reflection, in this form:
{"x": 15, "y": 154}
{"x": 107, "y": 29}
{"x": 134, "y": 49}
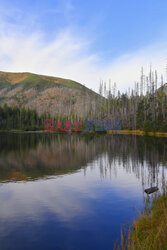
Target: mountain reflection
{"x": 31, "y": 156}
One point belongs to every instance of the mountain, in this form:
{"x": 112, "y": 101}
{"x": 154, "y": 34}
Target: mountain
{"x": 45, "y": 93}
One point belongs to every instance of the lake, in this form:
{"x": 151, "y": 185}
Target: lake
{"x": 60, "y": 191}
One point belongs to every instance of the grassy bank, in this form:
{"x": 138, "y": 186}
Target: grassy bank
{"x": 150, "y": 230}
{"x": 137, "y": 132}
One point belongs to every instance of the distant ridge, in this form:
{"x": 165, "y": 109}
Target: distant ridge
{"x": 45, "y": 93}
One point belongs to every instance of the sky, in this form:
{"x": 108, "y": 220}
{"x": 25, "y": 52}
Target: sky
{"x": 86, "y": 41}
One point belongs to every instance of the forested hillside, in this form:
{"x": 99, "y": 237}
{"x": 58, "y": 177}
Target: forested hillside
{"x": 46, "y": 94}
{"x": 26, "y": 100}
{"x": 144, "y": 107}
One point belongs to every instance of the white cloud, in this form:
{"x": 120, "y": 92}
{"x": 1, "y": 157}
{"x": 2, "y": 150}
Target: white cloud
{"x": 126, "y": 69}
{"x": 68, "y": 56}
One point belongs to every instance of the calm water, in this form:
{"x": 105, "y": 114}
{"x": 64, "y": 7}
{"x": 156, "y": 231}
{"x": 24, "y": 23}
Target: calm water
{"x": 71, "y": 192}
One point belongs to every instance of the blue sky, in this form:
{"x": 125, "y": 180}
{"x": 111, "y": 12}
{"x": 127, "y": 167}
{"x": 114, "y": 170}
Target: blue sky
{"x": 85, "y": 40}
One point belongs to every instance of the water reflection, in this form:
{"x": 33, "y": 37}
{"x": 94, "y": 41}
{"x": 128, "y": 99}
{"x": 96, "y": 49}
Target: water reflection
{"x": 34, "y": 156}
{"x": 72, "y": 192}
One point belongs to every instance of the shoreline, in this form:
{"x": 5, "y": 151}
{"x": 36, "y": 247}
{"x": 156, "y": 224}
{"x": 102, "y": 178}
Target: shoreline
{"x": 110, "y": 132}
{"x": 149, "y": 231}
{"x": 137, "y": 132}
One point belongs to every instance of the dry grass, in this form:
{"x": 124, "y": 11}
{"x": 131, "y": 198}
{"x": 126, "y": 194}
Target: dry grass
{"x": 137, "y": 132}
{"x": 150, "y": 231}
{"x": 14, "y": 77}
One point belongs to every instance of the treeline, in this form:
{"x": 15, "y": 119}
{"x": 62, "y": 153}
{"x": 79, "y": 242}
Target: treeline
{"x": 141, "y": 108}
{"x": 18, "y": 118}
{"x": 21, "y": 118}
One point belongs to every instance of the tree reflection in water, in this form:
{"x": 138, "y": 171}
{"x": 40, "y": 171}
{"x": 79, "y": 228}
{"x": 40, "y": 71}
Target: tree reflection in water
{"x": 28, "y": 156}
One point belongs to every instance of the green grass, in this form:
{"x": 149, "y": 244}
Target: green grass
{"x": 41, "y": 83}
{"x": 35, "y": 82}
{"x": 150, "y": 230}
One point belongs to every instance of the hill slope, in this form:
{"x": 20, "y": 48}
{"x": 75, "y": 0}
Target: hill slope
{"x": 45, "y": 93}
